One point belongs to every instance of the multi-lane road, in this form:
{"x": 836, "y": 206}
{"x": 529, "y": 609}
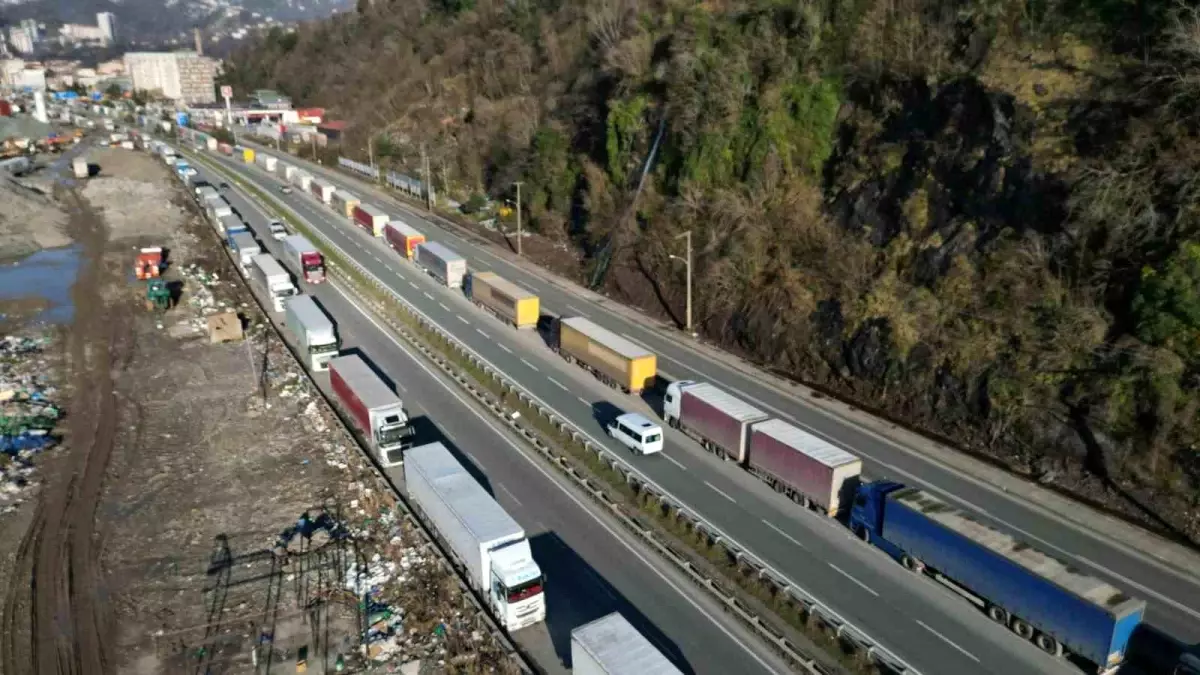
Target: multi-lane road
{"x": 592, "y": 566}
{"x": 920, "y": 621}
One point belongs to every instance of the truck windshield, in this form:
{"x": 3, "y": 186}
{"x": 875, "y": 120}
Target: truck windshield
{"x": 392, "y": 435}
{"x": 526, "y": 590}
{"x": 323, "y": 349}
{"x": 313, "y": 267}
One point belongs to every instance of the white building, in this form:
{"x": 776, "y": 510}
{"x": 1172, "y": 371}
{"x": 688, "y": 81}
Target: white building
{"x": 30, "y": 78}
{"x": 181, "y": 76}
{"x": 79, "y": 32}
{"x": 107, "y": 22}
{"x": 20, "y": 40}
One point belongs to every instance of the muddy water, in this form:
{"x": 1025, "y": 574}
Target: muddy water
{"x": 44, "y": 276}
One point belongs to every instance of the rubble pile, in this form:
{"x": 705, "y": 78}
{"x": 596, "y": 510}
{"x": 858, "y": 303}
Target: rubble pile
{"x": 28, "y": 414}
{"x": 205, "y": 293}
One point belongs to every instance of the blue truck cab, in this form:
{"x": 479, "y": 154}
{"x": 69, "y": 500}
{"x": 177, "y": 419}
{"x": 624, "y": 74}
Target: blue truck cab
{"x": 1040, "y": 598}
{"x": 230, "y": 231}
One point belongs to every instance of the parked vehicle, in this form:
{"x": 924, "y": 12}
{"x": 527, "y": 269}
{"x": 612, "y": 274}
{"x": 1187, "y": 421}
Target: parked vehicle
{"x": 234, "y": 228}
{"x": 244, "y": 247}
{"x": 441, "y": 263}
{"x": 376, "y": 410}
{"x": 285, "y": 189}
{"x": 315, "y": 333}
{"x": 403, "y": 238}
{"x": 302, "y": 180}
{"x": 719, "y": 422}
{"x": 809, "y": 470}
{"x": 304, "y": 258}
{"x": 506, "y": 300}
{"x": 481, "y": 537}
{"x": 149, "y": 263}
{"x": 1038, "y": 597}
{"x": 247, "y": 155}
{"x": 286, "y": 171}
{"x": 272, "y": 279}
{"x": 637, "y": 433}
{"x": 370, "y": 218}
{"x": 344, "y": 203}
{"x": 278, "y": 231}
{"x": 321, "y": 190}
{"x": 227, "y": 221}
{"x": 617, "y": 361}
{"x": 611, "y": 645}
{"x": 218, "y": 208}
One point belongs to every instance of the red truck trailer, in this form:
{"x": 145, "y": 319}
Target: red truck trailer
{"x": 370, "y": 218}
{"x": 376, "y": 410}
{"x": 811, "y": 471}
{"x": 718, "y": 421}
{"x": 402, "y": 238}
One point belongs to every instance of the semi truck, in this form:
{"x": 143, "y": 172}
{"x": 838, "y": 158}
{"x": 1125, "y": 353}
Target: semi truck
{"x": 344, "y": 203}
{"x": 441, "y": 263}
{"x": 304, "y": 258}
{"x": 370, "y": 218}
{"x": 482, "y": 538}
{"x": 321, "y": 190}
{"x": 286, "y": 171}
{"x": 247, "y": 155}
{"x": 244, "y": 248}
{"x": 808, "y": 470}
{"x": 611, "y": 645}
{"x": 615, "y": 360}
{"x": 315, "y": 333}
{"x": 506, "y": 300}
{"x": 267, "y": 162}
{"x": 403, "y": 238}
{"x": 217, "y": 209}
{"x": 1042, "y": 599}
{"x": 274, "y": 281}
{"x": 719, "y": 422}
{"x": 376, "y": 410}
{"x": 302, "y": 180}
{"x": 228, "y": 221}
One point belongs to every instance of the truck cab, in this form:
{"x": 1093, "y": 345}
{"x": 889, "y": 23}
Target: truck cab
{"x": 673, "y": 402}
{"x": 866, "y": 516}
{"x": 516, "y": 591}
{"x": 392, "y": 431}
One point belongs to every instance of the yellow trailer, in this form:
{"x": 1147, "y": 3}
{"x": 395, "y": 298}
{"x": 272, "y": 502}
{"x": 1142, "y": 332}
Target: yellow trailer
{"x": 344, "y": 203}
{"x": 505, "y": 299}
{"x": 618, "y": 362}
{"x": 248, "y": 156}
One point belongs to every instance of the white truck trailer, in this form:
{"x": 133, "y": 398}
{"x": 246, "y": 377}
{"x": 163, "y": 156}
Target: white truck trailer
{"x": 267, "y": 162}
{"x": 244, "y": 247}
{"x": 482, "y": 538}
{"x": 611, "y": 645}
{"x": 274, "y": 281}
{"x": 443, "y": 264}
{"x": 376, "y": 410}
{"x": 315, "y": 333}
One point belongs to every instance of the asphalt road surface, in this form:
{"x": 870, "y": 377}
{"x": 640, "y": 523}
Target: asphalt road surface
{"x": 592, "y": 567}
{"x": 1173, "y": 594}
{"x": 930, "y": 628}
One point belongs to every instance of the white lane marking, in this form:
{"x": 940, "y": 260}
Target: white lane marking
{"x": 719, "y": 491}
{"x": 949, "y": 641}
{"x": 377, "y": 259}
{"x": 1141, "y": 588}
{"x": 687, "y": 596}
{"x": 531, "y": 366}
{"x": 428, "y": 296}
{"x": 509, "y": 493}
{"x": 783, "y": 534}
{"x": 415, "y": 287}
{"x": 462, "y": 319}
{"x": 635, "y": 341}
{"x": 525, "y": 286}
{"x": 485, "y": 335}
{"x": 584, "y": 401}
{"x": 578, "y": 311}
{"x": 849, "y": 576}
{"x": 503, "y": 347}
{"x": 557, "y": 383}
{"x": 450, "y": 436}
{"x": 673, "y": 461}
{"x": 443, "y": 306}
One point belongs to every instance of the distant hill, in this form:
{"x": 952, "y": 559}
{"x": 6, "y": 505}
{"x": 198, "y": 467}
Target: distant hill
{"x": 158, "y": 20}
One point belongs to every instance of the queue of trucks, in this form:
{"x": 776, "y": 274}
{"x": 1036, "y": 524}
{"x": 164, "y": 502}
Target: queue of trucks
{"x": 1037, "y": 597}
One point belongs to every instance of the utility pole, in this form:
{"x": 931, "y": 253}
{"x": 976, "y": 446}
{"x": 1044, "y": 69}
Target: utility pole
{"x": 518, "y": 217}
{"x": 425, "y": 178}
{"x": 688, "y": 261}
{"x": 313, "y": 137}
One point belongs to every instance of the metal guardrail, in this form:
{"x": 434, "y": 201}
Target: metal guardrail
{"x": 483, "y": 619}
{"x": 838, "y": 625}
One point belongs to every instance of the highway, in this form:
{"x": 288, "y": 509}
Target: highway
{"x": 1173, "y": 593}
{"x": 924, "y": 624}
{"x": 592, "y": 567}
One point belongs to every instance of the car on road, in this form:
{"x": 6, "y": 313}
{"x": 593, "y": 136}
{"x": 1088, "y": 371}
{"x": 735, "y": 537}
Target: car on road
{"x": 224, "y": 185}
{"x": 278, "y": 231}
{"x": 285, "y": 189}
{"x": 637, "y": 433}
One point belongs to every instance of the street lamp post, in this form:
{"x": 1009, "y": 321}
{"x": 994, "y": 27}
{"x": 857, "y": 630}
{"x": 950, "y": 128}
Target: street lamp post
{"x": 688, "y": 261}
{"x": 518, "y": 184}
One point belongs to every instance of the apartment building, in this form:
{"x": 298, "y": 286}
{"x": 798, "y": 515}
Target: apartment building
{"x": 180, "y": 76}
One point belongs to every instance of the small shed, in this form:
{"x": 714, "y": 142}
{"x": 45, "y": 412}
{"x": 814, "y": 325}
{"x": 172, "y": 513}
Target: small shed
{"x": 224, "y": 327}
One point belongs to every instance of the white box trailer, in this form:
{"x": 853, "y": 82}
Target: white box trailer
{"x": 315, "y": 333}
{"x": 611, "y": 645}
{"x": 287, "y": 171}
{"x": 217, "y": 209}
{"x": 229, "y": 223}
{"x": 443, "y": 264}
{"x": 244, "y": 248}
{"x": 480, "y": 534}
{"x": 320, "y": 189}
{"x": 301, "y": 179}
{"x": 272, "y": 279}
{"x": 267, "y": 162}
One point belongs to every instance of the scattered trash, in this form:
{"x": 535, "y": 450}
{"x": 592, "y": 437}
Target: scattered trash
{"x": 28, "y": 414}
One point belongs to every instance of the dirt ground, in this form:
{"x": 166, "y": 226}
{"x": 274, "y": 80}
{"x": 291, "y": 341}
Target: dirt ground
{"x": 206, "y": 513}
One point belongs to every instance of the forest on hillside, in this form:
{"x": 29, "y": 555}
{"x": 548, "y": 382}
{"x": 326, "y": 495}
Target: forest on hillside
{"x": 980, "y": 217}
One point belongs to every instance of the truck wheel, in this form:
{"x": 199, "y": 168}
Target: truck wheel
{"x": 998, "y": 614}
{"x": 803, "y": 501}
{"x": 864, "y": 534}
{"x": 912, "y": 564}
{"x": 1022, "y": 629}
{"x": 1049, "y": 645}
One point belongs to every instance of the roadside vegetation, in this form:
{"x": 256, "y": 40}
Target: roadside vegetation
{"x": 979, "y": 218}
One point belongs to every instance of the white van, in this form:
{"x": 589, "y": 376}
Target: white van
{"x": 637, "y": 433}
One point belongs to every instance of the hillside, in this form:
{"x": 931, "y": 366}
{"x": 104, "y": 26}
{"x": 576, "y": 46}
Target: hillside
{"x": 978, "y": 217}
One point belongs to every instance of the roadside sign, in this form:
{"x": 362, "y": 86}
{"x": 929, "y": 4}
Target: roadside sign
{"x": 226, "y": 91}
